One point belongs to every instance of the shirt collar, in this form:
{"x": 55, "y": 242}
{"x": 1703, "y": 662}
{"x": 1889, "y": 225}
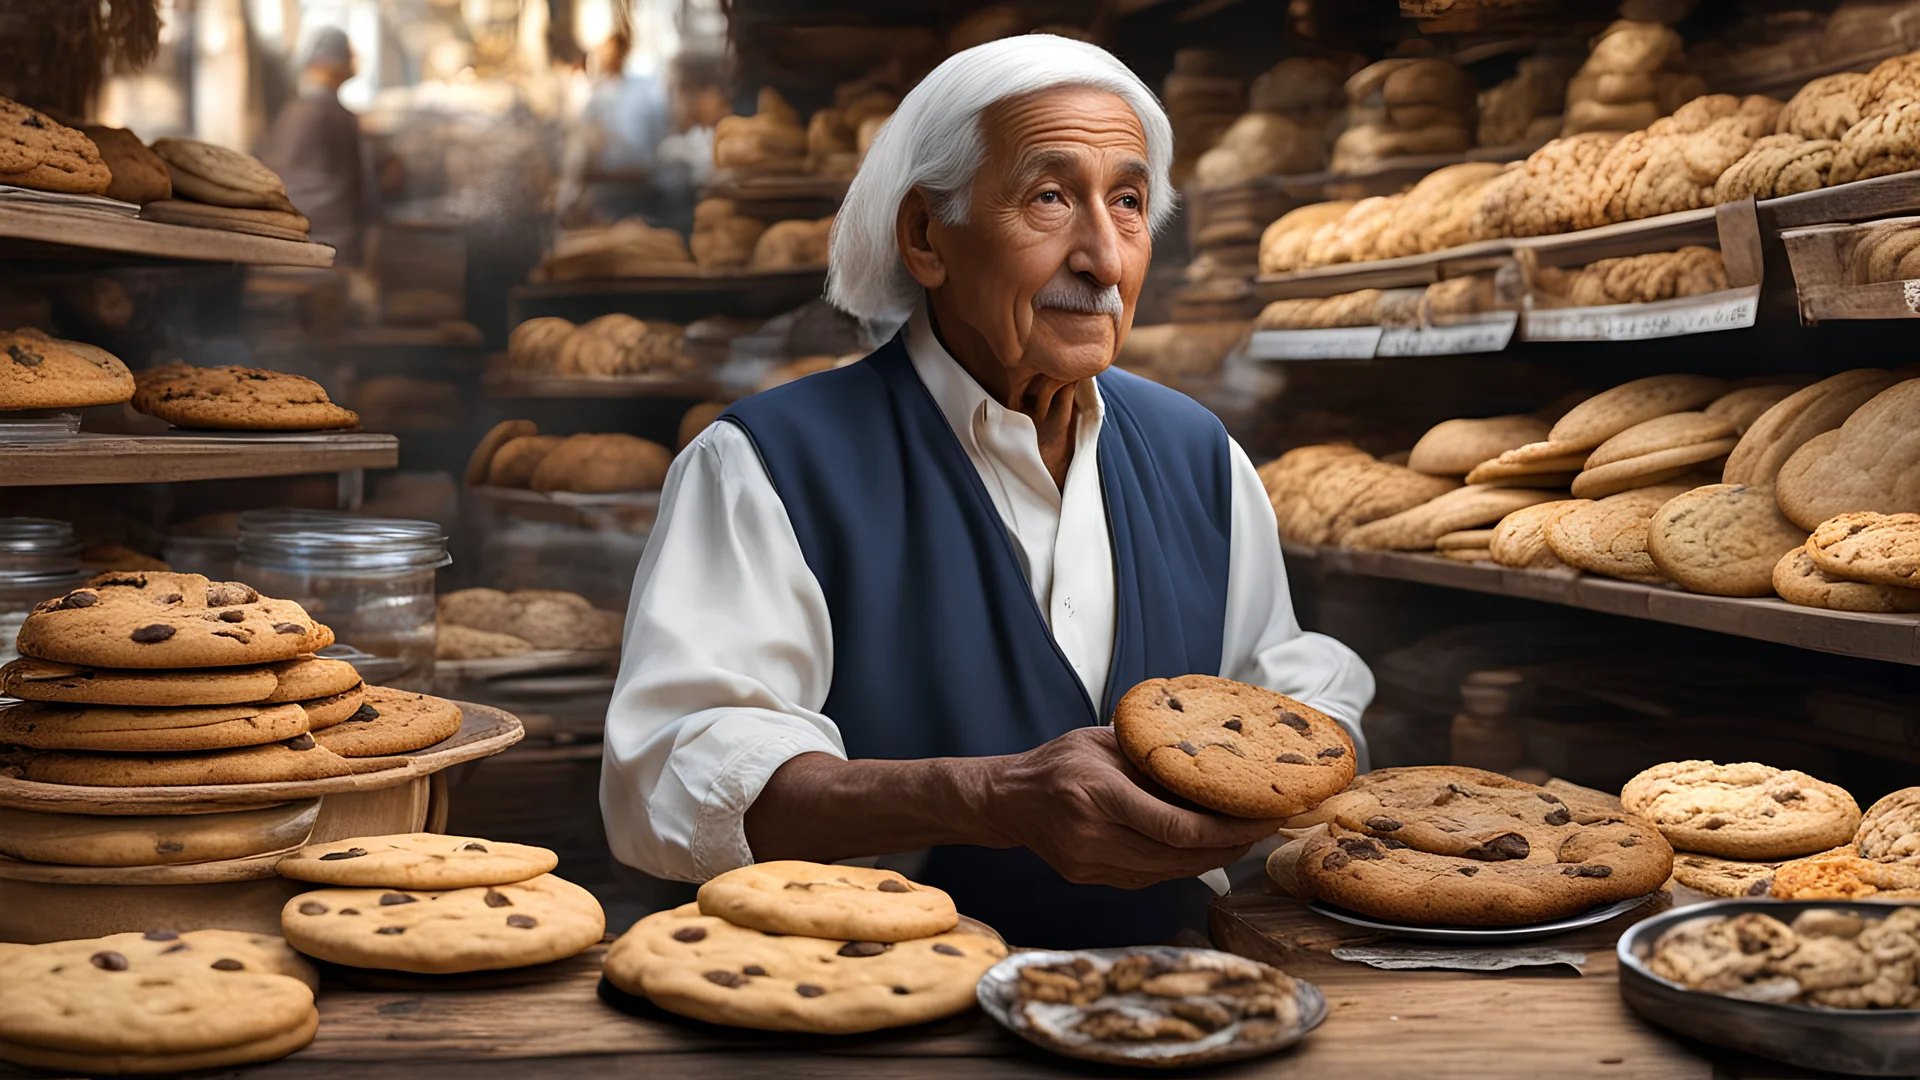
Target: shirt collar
{"x": 963, "y": 401}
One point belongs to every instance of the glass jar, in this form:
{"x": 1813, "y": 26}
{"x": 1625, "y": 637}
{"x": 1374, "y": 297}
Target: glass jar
{"x": 370, "y": 579}
{"x": 39, "y": 560}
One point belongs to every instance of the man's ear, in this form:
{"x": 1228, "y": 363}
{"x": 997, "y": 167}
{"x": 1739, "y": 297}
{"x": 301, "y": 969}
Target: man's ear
{"x": 912, "y": 231}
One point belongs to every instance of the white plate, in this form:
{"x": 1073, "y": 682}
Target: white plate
{"x": 1482, "y": 935}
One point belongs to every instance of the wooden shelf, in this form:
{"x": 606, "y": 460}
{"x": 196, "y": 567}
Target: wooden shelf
{"x": 1892, "y": 638}
{"x": 500, "y": 381}
{"x": 149, "y": 459}
{"x": 51, "y": 233}
{"x": 1825, "y": 277}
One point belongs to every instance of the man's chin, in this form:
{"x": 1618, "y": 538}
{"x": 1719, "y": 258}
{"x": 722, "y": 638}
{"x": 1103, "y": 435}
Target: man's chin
{"x": 1073, "y": 347}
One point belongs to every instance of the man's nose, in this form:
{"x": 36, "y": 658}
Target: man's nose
{"x": 1096, "y": 247}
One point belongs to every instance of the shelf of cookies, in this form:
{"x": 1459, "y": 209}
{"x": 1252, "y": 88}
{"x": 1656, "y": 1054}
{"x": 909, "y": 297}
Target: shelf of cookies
{"x": 38, "y": 232}
{"x": 86, "y": 458}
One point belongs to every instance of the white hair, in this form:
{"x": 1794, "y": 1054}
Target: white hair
{"x": 933, "y": 142}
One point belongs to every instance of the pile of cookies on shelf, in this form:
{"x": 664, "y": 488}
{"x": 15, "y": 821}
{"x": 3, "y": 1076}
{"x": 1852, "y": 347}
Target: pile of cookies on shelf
{"x": 1444, "y": 303}
{"x": 1635, "y": 73}
{"x": 799, "y": 946}
{"x": 515, "y": 455}
{"x": 479, "y": 624}
{"x": 604, "y": 347}
{"x": 159, "y": 1001}
{"x": 434, "y": 904}
{"x": 237, "y": 399}
{"x": 725, "y": 239}
{"x": 1826, "y": 958}
{"x": 1405, "y": 107}
{"x": 167, "y": 679}
{"x": 1748, "y": 829}
{"x": 44, "y": 372}
{"x": 217, "y": 188}
{"x": 1526, "y": 107}
{"x": 627, "y": 248}
{"x": 1632, "y": 279}
{"x": 1290, "y": 109}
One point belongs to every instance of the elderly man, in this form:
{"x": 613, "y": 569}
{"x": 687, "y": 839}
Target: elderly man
{"x": 887, "y": 608}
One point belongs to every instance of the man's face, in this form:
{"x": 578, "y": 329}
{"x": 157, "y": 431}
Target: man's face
{"x": 1046, "y": 270}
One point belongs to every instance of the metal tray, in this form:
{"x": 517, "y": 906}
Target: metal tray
{"x": 1858, "y": 1042}
{"x": 1482, "y": 935}
{"x": 997, "y": 993}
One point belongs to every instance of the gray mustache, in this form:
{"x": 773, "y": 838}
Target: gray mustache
{"x": 1067, "y": 292}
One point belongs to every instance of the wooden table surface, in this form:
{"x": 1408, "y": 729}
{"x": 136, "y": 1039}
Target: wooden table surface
{"x": 1383, "y": 1024}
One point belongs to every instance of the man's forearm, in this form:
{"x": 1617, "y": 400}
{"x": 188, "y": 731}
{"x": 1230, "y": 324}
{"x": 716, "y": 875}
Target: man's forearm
{"x": 822, "y": 808}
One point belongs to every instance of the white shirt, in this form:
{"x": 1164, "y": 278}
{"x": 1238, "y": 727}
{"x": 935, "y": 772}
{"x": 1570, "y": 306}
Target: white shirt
{"x": 729, "y": 646}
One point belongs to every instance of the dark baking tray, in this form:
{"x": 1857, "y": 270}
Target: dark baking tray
{"x": 1858, "y": 1042}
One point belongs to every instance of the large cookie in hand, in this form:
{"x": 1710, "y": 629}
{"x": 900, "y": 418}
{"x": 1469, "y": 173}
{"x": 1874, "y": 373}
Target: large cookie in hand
{"x": 1231, "y": 747}
{"x": 817, "y": 900}
{"x": 164, "y": 620}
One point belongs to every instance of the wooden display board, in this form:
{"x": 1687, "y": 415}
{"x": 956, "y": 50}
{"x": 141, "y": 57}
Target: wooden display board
{"x": 88, "y": 458}
{"x": 37, "y": 232}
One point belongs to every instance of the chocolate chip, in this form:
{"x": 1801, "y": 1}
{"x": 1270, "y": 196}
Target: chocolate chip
{"x": 1500, "y": 848}
{"x": 1292, "y": 759}
{"x": 349, "y": 911}
{"x": 1546, "y": 796}
{"x": 78, "y": 599}
{"x": 474, "y": 846}
{"x": 148, "y": 635}
{"x": 33, "y": 121}
{"x": 393, "y": 899}
{"x": 173, "y": 598}
{"x": 522, "y": 922}
{"x": 808, "y": 990}
{"x": 108, "y": 961}
{"x": 1232, "y": 725}
{"x": 1188, "y": 748}
{"x": 1174, "y": 704}
{"x": 1335, "y": 860}
{"x": 1588, "y": 871}
{"x": 288, "y": 628}
{"x": 864, "y": 948}
{"x": 224, "y": 964}
{"x": 729, "y": 979}
{"x": 1293, "y": 720}
{"x": 1391, "y": 844}
{"x": 129, "y": 581}
{"x": 901, "y": 990}
{"x": 363, "y": 714}
{"x": 1558, "y": 816}
{"x": 1714, "y": 822}
{"x": 1361, "y": 847}
{"x": 313, "y": 907}
{"x": 753, "y": 969}
{"x": 1787, "y": 796}
{"x": 1761, "y": 887}
{"x": 1334, "y": 752}
{"x": 229, "y": 594}
{"x": 497, "y": 899}
{"x": 24, "y": 356}
{"x": 1469, "y": 871}
{"x": 388, "y": 929}
{"x": 231, "y": 615}
{"x": 1382, "y": 823}
{"x": 945, "y": 949}
{"x": 690, "y": 934}
{"x": 300, "y": 742}
{"x": 890, "y": 885}
{"x": 350, "y": 853}
{"x": 1631, "y": 841}
{"x": 169, "y": 950}
{"x": 160, "y": 935}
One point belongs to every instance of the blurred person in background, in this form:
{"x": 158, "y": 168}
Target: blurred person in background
{"x": 314, "y": 144}
{"x": 607, "y": 166}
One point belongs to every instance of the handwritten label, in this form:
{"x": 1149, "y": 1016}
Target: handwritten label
{"x": 1486, "y": 336}
{"x": 1910, "y": 292}
{"x": 1343, "y": 343}
{"x": 1730, "y": 309}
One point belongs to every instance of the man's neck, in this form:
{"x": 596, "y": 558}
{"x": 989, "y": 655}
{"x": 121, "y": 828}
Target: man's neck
{"x": 1050, "y": 404}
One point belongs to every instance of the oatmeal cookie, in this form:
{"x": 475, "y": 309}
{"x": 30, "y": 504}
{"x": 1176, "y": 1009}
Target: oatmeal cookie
{"x": 1741, "y": 811}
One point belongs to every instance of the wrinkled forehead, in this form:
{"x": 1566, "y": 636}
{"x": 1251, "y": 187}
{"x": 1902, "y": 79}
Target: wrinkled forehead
{"x": 1064, "y": 128}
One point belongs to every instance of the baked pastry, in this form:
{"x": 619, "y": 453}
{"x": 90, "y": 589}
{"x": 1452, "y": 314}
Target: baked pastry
{"x": 1261, "y": 144}
{"x": 1607, "y": 414}
{"x": 1747, "y": 404}
{"x": 204, "y": 172}
{"x": 1772, "y": 438}
{"x": 1653, "y": 452}
{"x": 628, "y": 248}
{"x": 1547, "y": 193}
{"x": 1843, "y": 874}
{"x": 1286, "y": 244}
{"x": 1723, "y": 877}
{"x": 853, "y": 903}
{"x": 416, "y": 861}
{"x": 455, "y": 642}
{"x": 787, "y": 245}
{"x": 1419, "y": 528}
{"x": 1868, "y": 463}
{"x": 392, "y": 722}
{"x": 1609, "y": 536}
{"x": 439, "y": 932}
{"x": 1722, "y": 539}
{"x": 514, "y": 463}
{"x": 37, "y": 151}
{"x": 1799, "y": 581}
{"x": 298, "y": 758}
{"x": 1454, "y": 447}
{"x": 1876, "y": 549}
{"x": 1825, "y": 107}
{"x": 722, "y": 238}
{"x": 535, "y": 342}
{"x": 165, "y": 620}
{"x": 1890, "y": 829}
{"x": 1451, "y": 846}
{"x": 1741, "y": 811}
{"x": 1520, "y": 539}
{"x": 1231, "y": 747}
{"x": 122, "y": 729}
{"x": 601, "y": 463}
{"x": 41, "y": 372}
{"x": 480, "y": 462}
{"x": 139, "y": 174}
{"x": 1321, "y": 493}
{"x": 770, "y": 141}
{"x": 239, "y": 399}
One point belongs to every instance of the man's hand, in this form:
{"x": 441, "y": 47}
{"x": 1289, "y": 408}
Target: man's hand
{"x": 1078, "y": 803}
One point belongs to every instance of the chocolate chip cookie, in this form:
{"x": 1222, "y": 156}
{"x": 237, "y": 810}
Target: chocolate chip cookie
{"x": 165, "y": 620}
{"x": 816, "y": 900}
{"x": 123, "y": 729}
{"x": 709, "y": 969}
{"x": 417, "y": 861}
{"x": 45, "y": 680}
{"x": 441, "y": 932}
{"x": 1741, "y": 811}
{"x": 1890, "y": 829}
{"x": 298, "y": 758}
{"x": 38, "y": 152}
{"x": 392, "y": 721}
{"x": 240, "y": 399}
{"x": 323, "y": 713}
{"x": 41, "y": 372}
{"x": 1450, "y": 846}
{"x": 1231, "y": 747}
{"x": 1723, "y": 877}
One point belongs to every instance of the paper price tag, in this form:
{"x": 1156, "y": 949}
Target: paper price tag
{"x": 1343, "y": 343}
{"x": 1475, "y": 337}
{"x": 1731, "y": 309}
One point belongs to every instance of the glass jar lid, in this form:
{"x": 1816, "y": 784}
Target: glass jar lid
{"x": 323, "y": 540}
{"x": 37, "y": 549}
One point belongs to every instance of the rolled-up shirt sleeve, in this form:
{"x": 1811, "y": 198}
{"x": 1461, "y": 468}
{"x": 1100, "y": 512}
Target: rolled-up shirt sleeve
{"x": 728, "y": 660}
{"x": 1263, "y": 643}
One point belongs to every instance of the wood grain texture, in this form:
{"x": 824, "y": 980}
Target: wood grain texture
{"x": 151, "y": 459}
{"x": 79, "y": 234}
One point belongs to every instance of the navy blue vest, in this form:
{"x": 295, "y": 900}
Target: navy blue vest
{"x": 938, "y": 646}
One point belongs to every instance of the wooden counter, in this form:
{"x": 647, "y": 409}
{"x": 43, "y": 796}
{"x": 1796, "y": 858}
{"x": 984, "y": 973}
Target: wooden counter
{"x": 1384, "y": 1024}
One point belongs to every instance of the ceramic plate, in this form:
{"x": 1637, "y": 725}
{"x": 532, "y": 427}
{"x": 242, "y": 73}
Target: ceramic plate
{"x": 1481, "y": 935}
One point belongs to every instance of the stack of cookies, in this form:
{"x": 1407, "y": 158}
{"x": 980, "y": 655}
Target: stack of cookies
{"x": 217, "y": 188}
{"x": 1855, "y": 562}
{"x": 1880, "y": 862}
{"x": 1321, "y": 493}
{"x": 627, "y": 248}
{"x": 1634, "y": 75}
{"x": 1633, "y": 279}
{"x": 611, "y": 345}
{"x": 515, "y": 455}
{"x": 45, "y": 372}
{"x": 1525, "y": 108}
{"x": 1829, "y": 958}
{"x": 1451, "y": 846}
{"x": 1405, "y": 107}
{"x": 433, "y": 905}
{"x": 155, "y": 1002}
{"x": 1203, "y": 98}
{"x": 39, "y": 152}
{"x": 797, "y": 946}
{"x": 237, "y": 399}
{"x": 477, "y": 624}
{"x": 164, "y": 679}
{"x": 770, "y": 142}
{"x": 1734, "y": 824}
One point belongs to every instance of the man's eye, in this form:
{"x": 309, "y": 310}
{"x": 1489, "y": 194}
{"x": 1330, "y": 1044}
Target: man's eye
{"x": 1049, "y": 197}
{"x": 1131, "y": 202}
